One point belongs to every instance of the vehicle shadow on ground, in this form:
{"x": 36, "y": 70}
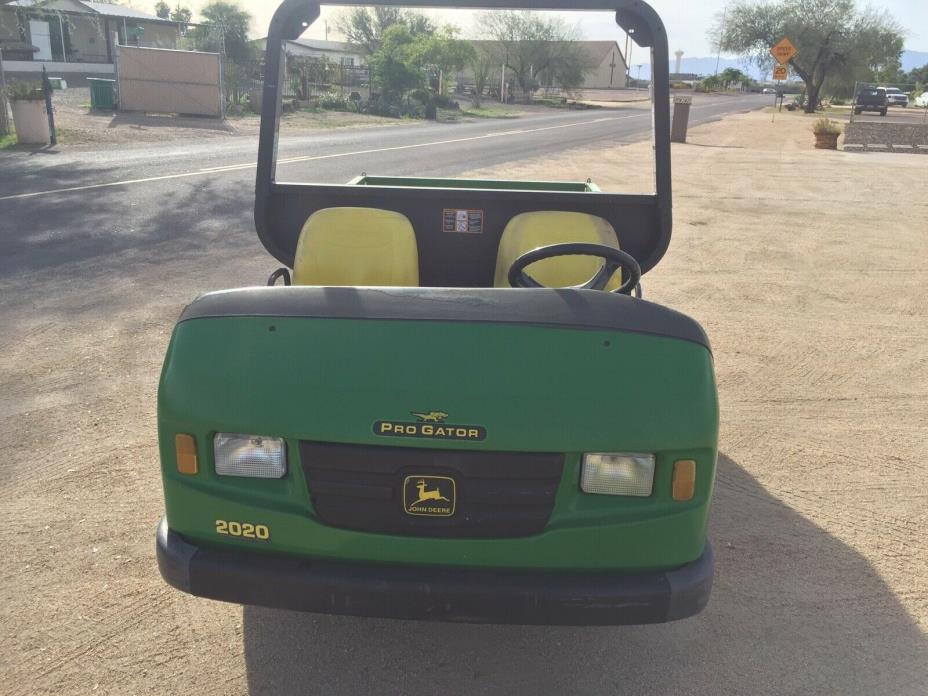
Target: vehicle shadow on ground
{"x": 794, "y": 610}
{"x": 107, "y": 239}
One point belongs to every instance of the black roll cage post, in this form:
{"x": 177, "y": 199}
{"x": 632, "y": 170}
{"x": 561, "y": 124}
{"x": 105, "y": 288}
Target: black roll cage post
{"x": 642, "y": 23}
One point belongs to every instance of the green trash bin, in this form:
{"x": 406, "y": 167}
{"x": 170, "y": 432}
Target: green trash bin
{"x": 102, "y": 94}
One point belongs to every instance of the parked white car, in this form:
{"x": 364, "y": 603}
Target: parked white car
{"x": 922, "y": 100}
{"x": 896, "y": 97}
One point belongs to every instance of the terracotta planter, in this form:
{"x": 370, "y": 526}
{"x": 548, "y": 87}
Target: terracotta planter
{"x": 826, "y": 141}
{"x": 31, "y": 121}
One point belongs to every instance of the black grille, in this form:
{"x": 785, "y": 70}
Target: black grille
{"x": 499, "y": 494}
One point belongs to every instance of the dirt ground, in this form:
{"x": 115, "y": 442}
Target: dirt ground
{"x": 79, "y": 126}
{"x": 807, "y": 269}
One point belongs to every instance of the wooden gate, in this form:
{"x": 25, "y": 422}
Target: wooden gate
{"x": 170, "y": 82}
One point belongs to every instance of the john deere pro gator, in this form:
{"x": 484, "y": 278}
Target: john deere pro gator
{"x": 451, "y": 403}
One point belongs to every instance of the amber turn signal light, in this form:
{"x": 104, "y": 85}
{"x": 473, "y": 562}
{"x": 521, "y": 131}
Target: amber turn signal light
{"x": 684, "y": 479}
{"x": 186, "y": 448}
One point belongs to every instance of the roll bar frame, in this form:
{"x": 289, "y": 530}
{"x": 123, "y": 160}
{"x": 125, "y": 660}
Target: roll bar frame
{"x": 639, "y": 19}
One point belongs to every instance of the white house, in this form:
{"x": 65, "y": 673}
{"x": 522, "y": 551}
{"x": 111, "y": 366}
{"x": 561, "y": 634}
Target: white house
{"x": 336, "y": 52}
{"x": 74, "y": 38}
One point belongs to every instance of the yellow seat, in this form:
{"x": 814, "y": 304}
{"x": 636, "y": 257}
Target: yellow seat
{"x": 529, "y": 231}
{"x": 357, "y": 246}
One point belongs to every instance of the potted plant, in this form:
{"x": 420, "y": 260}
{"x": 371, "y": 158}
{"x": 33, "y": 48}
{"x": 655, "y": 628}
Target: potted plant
{"x": 29, "y": 116}
{"x": 826, "y": 134}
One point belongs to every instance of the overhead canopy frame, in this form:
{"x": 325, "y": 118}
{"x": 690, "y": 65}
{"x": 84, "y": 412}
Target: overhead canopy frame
{"x": 280, "y": 208}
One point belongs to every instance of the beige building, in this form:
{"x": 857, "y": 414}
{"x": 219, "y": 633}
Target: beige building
{"x": 73, "y": 38}
{"x": 606, "y": 65}
{"x": 609, "y": 71}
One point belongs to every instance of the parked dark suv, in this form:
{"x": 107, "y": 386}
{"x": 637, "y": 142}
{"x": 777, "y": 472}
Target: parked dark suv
{"x": 871, "y": 99}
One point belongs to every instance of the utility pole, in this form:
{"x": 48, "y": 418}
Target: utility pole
{"x": 627, "y": 59}
{"x": 49, "y": 107}
{"x": 64, "y": 48}
{"x": 718, "y": 56}
{"x": 4, "y": 112}
{"x": 502, "y": 79}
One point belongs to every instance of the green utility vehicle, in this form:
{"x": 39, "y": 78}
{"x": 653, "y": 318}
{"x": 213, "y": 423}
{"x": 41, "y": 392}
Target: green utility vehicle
{"x": 455, "y": 407}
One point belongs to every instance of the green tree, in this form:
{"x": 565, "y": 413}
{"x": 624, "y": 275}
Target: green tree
{"x": 395, "y": 71}
{"x": 483, "y": 65}
{"x": 225, "y": 30}
{"x": 162, "y": 9}
{"x": 442, "y": 52}
{"x": 730, "y": 76}
{"x": 366, "y": 27}
{"x": 534, "y": 46}
{"x": 180, "y": 14}
{"x": 919, "y": 75}
{"x": 890, "y": 72}
{"x": 566, "y": 66}
{"x": 834, "y": 39}
{"x": 713, "y": 83}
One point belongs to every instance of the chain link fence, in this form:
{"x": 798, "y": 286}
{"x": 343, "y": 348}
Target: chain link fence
{"x": 307, "y": 79}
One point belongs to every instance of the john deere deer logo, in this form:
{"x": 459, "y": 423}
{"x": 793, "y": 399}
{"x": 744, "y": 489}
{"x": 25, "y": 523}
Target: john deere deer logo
{"x": 431, "y": 416}
{"x": 431, "y": 496}
{"x": 425, "y": 495}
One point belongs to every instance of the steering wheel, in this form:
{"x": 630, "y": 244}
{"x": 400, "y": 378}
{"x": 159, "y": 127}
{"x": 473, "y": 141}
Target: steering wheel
{"x": 614, "y": 260}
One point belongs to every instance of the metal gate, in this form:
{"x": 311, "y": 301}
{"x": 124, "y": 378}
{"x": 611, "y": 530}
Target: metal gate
{"x": 167, "y": 81}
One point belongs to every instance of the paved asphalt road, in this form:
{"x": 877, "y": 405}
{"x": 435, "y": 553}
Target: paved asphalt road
{"x": 422, "y": 149}
{"x": 69, "y": 207}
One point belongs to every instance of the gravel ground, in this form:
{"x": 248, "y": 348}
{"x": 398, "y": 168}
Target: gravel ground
{"x": 818, "y": 312}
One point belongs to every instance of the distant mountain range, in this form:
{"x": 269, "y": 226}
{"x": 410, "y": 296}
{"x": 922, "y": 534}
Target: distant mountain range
{"x": 914, "y": 59}
{"x": 707, "y": 66}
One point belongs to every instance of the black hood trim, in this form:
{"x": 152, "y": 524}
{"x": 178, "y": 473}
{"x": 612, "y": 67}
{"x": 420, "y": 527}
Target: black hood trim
{"x": 587, "y": 310}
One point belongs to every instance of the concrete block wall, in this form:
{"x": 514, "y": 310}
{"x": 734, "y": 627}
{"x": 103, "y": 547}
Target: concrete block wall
{"x": 868, "y": 136}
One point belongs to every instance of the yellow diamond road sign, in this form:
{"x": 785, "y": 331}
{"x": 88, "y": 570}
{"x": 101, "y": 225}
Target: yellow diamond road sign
{"x": 783, "y": 51}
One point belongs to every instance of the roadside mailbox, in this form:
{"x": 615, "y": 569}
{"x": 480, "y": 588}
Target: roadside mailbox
{"x": 681, "y": 118}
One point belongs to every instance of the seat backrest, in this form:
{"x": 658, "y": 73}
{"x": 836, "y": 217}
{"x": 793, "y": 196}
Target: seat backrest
{"x": 357, "y": 246}
{"x": 529, "y": 231}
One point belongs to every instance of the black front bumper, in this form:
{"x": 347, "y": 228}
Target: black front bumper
{"x": 435, "y": 594}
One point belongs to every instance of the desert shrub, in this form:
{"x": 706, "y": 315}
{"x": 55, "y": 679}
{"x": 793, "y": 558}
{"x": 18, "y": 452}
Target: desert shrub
{"x": 25, "y": 91}
{"x": 384, "y": 106}
{"x": 334, "y": 104}
{"x": 443, "y": 101}
{"x": 826, "y": 125}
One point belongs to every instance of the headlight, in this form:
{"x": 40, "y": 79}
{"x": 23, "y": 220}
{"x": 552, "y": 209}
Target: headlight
{"x": 253, "y": 456}
{"x": 617, "y": 474}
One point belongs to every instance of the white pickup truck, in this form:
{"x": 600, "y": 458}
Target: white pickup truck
{"x": 896, "y": 97}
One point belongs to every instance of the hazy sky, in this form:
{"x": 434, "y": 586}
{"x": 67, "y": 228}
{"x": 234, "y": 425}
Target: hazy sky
{"x": 687, "y": 21}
